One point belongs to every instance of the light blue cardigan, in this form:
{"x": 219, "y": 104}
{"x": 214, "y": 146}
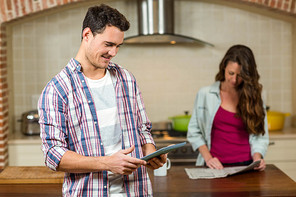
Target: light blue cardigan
{"x": 206, "y": 105}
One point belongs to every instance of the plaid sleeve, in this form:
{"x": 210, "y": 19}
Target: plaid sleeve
{"x": 144, "y": 124}
{"x": 52, "y": 122}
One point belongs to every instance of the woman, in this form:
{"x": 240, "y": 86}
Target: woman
{"x": 228, "y": 124}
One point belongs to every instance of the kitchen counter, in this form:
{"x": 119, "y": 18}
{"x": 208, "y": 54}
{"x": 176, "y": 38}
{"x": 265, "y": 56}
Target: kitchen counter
{"x": 26, "y": 150}
{"x": 19, "y": 138}
{"x": 271, "y": 182}
{"x": 288, "y": 133}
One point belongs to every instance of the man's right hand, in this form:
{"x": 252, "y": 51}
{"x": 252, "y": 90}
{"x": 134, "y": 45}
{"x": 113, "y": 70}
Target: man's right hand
{"x": 121, "y": 163}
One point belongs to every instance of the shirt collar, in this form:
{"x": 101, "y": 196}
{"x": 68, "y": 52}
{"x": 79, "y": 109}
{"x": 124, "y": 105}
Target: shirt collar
{"x": 76, "y": 66}
{"x": 215, "y": 88}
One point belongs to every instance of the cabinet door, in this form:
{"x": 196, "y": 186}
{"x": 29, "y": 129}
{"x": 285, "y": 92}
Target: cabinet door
{"x": 25, "y": 155}
{"x": 281, "y": 150}
{"x": 283, "y": 154}
{"x": 289, "y": 168}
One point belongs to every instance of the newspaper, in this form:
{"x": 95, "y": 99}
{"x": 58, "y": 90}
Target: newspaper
{"x": 207, "y": 173}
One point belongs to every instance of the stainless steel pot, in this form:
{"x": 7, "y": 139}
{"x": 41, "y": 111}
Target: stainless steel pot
{"x": 30, "y": 125}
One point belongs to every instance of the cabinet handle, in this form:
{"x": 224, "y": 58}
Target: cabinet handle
{"x": 271, "y": 143}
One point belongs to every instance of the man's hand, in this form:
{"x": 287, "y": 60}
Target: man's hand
{"x": 121, "y": 163}
{"x": 155, "y": 162}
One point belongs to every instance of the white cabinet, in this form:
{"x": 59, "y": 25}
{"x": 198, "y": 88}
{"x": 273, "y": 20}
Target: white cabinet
{"x": 283, "y": 154}
{"x": 25, "y": 152}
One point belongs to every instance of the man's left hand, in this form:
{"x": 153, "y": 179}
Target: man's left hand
{"x": 155, "y": 162}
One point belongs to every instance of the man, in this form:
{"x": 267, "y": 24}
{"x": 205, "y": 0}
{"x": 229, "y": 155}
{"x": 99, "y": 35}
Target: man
{"x": 93, "y": 122}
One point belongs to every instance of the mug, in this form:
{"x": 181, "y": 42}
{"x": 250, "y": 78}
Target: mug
{"x": 162, "y": 171}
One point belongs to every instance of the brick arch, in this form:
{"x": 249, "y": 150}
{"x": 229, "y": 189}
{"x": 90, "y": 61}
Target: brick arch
{"x": 13, "y": 9}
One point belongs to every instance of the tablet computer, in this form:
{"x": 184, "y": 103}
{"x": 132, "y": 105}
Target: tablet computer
{"x": 163, "y": 150}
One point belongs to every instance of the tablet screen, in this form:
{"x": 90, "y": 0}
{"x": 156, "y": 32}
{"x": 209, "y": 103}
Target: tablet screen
{"x": 163, "y": 150}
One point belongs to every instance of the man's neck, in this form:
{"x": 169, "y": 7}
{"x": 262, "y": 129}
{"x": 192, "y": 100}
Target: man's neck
{"x": 91, "y": 71}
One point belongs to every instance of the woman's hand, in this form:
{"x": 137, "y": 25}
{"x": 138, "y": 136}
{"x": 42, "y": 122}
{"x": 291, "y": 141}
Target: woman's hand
{"x": 214, "y": 163}
{"x": 211, "y": 162}
{"x": 262, "y": 165}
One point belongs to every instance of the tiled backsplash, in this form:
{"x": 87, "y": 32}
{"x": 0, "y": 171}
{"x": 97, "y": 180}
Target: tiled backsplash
{"x": 169, "y": 76}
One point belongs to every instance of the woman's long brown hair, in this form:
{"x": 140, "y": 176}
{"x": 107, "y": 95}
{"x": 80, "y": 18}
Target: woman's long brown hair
{"x": 250, "y": 106}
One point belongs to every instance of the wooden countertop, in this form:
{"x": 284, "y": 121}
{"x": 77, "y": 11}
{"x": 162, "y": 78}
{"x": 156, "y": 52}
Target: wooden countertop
{"x": 30, "y": 181}
{"x": 30, "y": 174}
{"x": 271, "y": 182}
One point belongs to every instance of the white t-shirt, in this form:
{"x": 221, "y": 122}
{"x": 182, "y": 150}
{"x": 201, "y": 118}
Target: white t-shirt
{"x": 103, "y": 93}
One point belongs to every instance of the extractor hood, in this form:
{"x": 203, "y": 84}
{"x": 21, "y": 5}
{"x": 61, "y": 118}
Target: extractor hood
{"x": 156, "y": 25}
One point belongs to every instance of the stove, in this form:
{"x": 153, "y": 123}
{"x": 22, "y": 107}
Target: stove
{"x": 164, "y": 135}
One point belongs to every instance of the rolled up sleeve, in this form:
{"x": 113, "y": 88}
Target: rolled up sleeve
{"x": 144, "y": 124}
{"x": 53, "y": 129}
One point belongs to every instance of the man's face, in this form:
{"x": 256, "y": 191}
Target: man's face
{"x": 101, "y": 48}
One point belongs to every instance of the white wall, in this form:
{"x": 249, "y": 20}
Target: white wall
{"x": 168, "y": 76}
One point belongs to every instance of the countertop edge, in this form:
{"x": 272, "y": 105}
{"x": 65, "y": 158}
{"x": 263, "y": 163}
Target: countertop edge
{"x": 19, "y": 138}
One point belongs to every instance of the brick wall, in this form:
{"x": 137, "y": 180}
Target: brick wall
{"x": 3, "y": 99}
{"x": 287, "y": 6}
{"x": 14, "y": 9}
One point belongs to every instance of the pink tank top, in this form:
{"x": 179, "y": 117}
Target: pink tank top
{"x": 230, "y": 140}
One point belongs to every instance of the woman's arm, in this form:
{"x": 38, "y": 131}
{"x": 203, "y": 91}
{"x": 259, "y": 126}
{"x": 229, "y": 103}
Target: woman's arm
{"x": 259, "y": 145}
{"x": 211, "y": 162}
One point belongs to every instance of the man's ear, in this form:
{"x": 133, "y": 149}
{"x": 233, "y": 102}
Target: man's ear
{"x": 86, "y": 33}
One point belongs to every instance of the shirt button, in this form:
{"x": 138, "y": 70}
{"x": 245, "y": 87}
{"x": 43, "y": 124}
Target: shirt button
{"x": 105, "y": 186}
{"x": 89, "y": 101}
{"x": 95, "y": 122}
{"x": 82, "y": 81}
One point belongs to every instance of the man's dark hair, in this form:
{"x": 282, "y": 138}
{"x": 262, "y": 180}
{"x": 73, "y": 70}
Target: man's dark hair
{"x": 98, "y": 17}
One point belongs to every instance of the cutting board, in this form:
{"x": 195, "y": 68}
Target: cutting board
{"x": 30, "y": 174}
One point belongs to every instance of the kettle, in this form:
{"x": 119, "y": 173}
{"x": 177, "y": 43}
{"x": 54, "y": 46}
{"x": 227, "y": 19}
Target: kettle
{"x": 30, "y": 125}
